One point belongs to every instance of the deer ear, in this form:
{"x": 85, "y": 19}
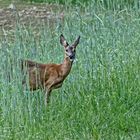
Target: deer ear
{"x": 76, "y": 42}
{"x": 63, "y": 41}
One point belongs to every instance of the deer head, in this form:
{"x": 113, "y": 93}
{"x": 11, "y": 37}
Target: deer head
{"x": 70, "y": 50}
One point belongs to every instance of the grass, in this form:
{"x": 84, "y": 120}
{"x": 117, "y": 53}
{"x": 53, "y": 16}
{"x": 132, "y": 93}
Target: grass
{"x": 99, "y": 99}
{"x": 108, "y": 4}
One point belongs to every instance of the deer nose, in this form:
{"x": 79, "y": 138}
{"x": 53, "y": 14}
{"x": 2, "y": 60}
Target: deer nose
{"x": 72, "y": 56}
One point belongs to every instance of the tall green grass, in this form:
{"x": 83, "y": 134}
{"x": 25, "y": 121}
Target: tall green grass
{"x": 100, "y": 97}
{"x": 107, "y": 4}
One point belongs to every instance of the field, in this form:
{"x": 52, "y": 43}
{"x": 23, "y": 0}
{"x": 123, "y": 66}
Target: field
{"x": 99, "y": 100}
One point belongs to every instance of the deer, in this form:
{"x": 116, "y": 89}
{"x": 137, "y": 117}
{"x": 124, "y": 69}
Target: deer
{"x": 50, "y": 76}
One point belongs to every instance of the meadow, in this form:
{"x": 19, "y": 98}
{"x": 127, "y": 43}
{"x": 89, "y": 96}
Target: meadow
{"x": 99, "y": 100}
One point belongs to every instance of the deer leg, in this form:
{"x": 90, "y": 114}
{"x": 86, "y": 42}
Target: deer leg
{"x": 47, "y": 96}
{"x": 49, "y": 89}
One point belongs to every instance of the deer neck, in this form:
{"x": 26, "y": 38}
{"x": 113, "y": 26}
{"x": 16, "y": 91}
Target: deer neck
{"x": 66, "y": 66}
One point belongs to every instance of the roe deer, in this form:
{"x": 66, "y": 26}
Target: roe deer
{"x": 50, "y": 76}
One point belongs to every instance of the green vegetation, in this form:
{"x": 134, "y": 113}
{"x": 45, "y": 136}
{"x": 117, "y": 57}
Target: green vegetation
{"x": 113, "y": 4}
{"x": 100, "y": 97}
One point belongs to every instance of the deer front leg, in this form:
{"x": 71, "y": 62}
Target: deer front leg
{"x": 47, "y": 95}
{"x": 55, "y": 84}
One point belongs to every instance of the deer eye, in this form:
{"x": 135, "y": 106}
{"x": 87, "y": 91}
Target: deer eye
{"x": 66, "y": 50}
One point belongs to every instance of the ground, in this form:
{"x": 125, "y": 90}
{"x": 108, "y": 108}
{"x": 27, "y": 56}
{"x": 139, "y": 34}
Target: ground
{"x": 28, "y": 14}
